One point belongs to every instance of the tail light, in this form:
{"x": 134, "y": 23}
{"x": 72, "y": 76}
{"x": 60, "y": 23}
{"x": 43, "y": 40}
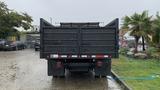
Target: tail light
{"x": 99, "y": 56}
{"x": 99, "y": 63}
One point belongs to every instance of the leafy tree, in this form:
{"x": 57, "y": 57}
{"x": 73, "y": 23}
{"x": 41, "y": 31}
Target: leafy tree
{"x": 140, "y": 26}
{"x": 156, "y": 30}
{"x": 10, "y": 20}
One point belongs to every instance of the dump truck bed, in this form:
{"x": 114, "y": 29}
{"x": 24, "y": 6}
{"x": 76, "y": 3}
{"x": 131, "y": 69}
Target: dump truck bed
{"x": 78, "y": 39}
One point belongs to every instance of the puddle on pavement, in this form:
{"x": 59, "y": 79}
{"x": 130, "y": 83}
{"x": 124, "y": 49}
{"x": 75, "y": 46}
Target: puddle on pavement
{"x": 23, "y": 70}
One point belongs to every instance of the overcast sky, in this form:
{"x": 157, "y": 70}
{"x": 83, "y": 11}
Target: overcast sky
{"x": 82, "y": 10}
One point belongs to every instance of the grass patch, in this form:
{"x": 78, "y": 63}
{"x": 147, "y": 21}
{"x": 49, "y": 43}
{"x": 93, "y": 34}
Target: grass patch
{"x": 138, "y": 74}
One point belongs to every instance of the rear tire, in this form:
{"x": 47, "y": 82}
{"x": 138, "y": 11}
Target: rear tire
{"x": 17, "y": 48}
{"x": 58, "y": 76}
{"x": 55, "y": 76}
{"x": 97, "y": 76}
{"x": 14, "y": 48}
{"x": 104, "y": 69}
{"x": 103, "y": 76}
{"x": 54, "y": 71}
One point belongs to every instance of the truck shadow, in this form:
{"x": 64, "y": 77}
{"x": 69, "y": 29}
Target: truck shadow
{"x": 79, "y": 81}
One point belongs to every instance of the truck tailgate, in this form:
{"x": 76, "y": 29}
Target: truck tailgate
{"x": 78, "y": 40}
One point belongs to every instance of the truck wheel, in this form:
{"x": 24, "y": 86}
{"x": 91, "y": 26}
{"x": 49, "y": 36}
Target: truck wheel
{"x": 97, "y": 76}
{"x": 14, "y": 48}
{"x": 54, "y": 70}
{"x": 103, "y": 76}
{"x": 58, "y": 76}
{"x": 62, "y": 76}
{"x": 55, "y": 76}
{"x": 104, "y": 68}
{"x": 17, "y": 48}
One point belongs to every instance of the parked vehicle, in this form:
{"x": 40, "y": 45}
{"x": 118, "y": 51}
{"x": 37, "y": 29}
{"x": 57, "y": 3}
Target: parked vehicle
{"x": 20, "y": 45}
{"x": 9, "y": 46}
{"x": 13, "y": 45}
{"x": 37, "y": 45}
{"x": 2, "y": 43}
{"x": 79, "y": 47}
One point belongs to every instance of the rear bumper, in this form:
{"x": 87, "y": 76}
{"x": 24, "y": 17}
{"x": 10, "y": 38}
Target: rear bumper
{"x": 84, "y": 65}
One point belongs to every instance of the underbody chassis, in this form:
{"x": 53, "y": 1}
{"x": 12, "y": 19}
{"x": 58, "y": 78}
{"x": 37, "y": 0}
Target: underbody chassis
{"x": 58, "y": 67}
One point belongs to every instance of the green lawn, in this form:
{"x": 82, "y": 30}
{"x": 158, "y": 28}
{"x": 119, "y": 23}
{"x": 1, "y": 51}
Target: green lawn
{"x": 138, "y": 74}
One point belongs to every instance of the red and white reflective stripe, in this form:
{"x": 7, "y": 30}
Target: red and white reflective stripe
{"x": 54, "y": 56}
{"x": 78, "y": 56}
{"x": 74, "y": 56}
{"x": 84, "y": 56}
{"x": 99, "y": 56}
{"x": 106, "y": 56}
{"x": 63, "y": 56}
{"x": 93, "y": 56}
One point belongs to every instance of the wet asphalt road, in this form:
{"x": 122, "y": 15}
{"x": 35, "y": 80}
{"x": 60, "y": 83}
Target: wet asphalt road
{"x": 23, "y": 70}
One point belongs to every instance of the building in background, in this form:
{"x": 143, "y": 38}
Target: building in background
{"x": 126, "y": 40}
{"x": 35, "y": 28}
{"x": 30, "y": 36}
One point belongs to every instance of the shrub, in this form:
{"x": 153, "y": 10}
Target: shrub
{"x": 151, "y": 50}
{"x": 131, "y": 44}
{"x": 155, "y": 55}
{"x": 123, "y": 51}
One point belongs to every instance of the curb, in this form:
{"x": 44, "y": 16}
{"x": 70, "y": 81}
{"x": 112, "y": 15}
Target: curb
{"x": 122, "y": 84}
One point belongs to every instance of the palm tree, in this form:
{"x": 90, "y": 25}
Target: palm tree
{"x": 156, "y": 29}
{"x": 140, "y": 26}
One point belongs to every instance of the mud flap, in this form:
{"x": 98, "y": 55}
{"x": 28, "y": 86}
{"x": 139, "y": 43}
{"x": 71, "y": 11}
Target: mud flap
{"x": 104, "y": 69}
{"x": 53, "y": 70}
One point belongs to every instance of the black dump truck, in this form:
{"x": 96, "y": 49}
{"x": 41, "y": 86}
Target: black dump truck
{"x": 79, "y": 47}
